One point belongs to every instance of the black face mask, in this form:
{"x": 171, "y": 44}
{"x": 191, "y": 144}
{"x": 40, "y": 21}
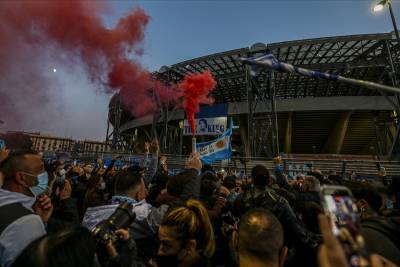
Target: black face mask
{"x": 167, "y": 260}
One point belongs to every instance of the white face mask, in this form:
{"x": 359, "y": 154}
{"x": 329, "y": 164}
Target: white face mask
{"x": 103, "y": 186}
{"x": 61, "y": 174}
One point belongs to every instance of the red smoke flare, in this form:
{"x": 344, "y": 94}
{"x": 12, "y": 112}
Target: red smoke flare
{"x": 196, "y": 90}
{"x": 72, "y": 32}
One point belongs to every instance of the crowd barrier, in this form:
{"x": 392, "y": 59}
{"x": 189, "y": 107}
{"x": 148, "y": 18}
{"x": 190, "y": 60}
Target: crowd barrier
{"x": 342, "y": 165}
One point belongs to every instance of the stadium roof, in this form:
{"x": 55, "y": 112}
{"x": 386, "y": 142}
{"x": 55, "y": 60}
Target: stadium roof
{"x": 362, "y": 57}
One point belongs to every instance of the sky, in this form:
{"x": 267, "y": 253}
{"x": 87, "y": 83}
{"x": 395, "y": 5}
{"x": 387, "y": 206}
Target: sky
{"x": 182, "y": 30}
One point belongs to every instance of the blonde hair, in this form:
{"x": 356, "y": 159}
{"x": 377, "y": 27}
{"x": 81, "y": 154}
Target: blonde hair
{"x": 192, "y": 222}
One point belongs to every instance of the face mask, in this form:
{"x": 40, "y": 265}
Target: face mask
{"x": 41, "y": 187}
{"x": 62, "y": 173}
{"x": 167, "y": 260}
{"x": 103, "y": 186}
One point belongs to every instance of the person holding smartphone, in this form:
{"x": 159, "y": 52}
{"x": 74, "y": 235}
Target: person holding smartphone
{"x": 373, "y": 226}
{"x": 332, "y": 254}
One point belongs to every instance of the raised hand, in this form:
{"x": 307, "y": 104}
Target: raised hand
{"x": 43, "y": 207}
{"x": 194, "y": 162}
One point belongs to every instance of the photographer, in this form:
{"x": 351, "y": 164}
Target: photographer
{"x": 127, "y": 250}
{"x": 129, "y": 188}
{"x": 114, "y": 245}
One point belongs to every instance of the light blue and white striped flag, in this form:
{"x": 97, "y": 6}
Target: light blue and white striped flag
{"x": 218, "y": 149}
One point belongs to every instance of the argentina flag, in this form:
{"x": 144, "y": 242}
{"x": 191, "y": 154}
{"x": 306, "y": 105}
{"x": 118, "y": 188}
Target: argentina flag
{"x": 218, "y": 149}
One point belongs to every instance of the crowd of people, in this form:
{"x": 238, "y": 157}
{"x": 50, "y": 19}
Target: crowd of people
{"x": 198, "y": 217}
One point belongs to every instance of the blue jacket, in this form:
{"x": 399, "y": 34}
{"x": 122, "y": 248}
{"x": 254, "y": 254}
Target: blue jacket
{"x": 20, "y": 233}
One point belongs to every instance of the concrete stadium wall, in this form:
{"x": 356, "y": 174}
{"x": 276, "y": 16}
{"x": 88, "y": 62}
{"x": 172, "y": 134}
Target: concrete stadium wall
{"x": 340, "y": 103}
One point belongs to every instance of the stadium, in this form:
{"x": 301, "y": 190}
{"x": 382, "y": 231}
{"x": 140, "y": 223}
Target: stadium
{"x": 283, "y": 113}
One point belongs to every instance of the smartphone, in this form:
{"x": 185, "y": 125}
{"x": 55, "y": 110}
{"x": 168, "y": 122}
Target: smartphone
{"x": 60, "y": 181}
{"x": 340, "y": 207}
{"x": 2, "y": 144}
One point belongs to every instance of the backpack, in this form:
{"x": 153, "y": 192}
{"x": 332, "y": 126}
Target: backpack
{"x": 10, "y": 213}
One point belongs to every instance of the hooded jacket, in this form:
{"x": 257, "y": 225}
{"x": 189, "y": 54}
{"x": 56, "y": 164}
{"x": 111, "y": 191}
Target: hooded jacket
{"x": 20, "y": 232}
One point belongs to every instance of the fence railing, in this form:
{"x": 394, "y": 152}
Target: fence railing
{"x": 292, "y": 164}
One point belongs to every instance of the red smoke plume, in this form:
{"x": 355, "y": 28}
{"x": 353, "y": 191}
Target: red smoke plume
{"x": 196, "y": 90}
{"x": 73, "y": 32}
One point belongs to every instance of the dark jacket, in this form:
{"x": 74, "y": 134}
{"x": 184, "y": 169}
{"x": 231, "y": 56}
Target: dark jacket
{"x": 94, "y": 198}
{"x": 192, "y": 189}
{"x": 165, "y": 199}
{"x": 65, "y": 215}
{"x": 202, "y": 262}
{"x": 382, "y": 237}
{"x": 66, "y": 210}
{"x": 308, "y": 196}
{"x": 270, "y": 200}
{"x": 79, "y": 189}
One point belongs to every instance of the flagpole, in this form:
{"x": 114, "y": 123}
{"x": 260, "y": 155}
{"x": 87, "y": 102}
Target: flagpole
{"x": 193, "y": 144}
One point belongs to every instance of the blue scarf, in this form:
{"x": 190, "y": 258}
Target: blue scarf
{"x": 119, "y": 199}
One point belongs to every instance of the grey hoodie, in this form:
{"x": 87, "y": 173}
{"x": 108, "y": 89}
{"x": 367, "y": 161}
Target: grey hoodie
{"x": 20, "y": 233}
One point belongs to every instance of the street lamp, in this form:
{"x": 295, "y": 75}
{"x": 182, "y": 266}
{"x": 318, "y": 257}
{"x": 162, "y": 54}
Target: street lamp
{"x": 379, "y": 7}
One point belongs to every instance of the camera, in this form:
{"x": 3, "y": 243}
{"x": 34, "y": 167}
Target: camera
{"x": 122, "y": 217}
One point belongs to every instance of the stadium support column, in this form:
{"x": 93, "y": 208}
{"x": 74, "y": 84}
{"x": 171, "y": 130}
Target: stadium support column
{"x": 394, "y": 150}
{"x": 246, "y": 144}
{"x": 275, "y": 139}
{"x": 335, "y": 140}
{"x": 114, "y": 115}
{"x": 262, "y": 119}
{"x": 250, "y": 124}
{"x": 288, "y": 134}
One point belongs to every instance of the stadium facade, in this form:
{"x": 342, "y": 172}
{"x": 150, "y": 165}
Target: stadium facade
{"x": 286, "y": 113}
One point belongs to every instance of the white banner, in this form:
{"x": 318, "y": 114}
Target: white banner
{"x": 206, "y": 126}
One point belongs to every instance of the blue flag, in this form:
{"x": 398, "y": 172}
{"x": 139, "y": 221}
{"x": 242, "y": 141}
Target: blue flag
{"x": 218, "y": 149}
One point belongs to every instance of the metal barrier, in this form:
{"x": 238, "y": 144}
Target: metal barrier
{"x": 291, "y": 164}
{"x": 362, "y": 167}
